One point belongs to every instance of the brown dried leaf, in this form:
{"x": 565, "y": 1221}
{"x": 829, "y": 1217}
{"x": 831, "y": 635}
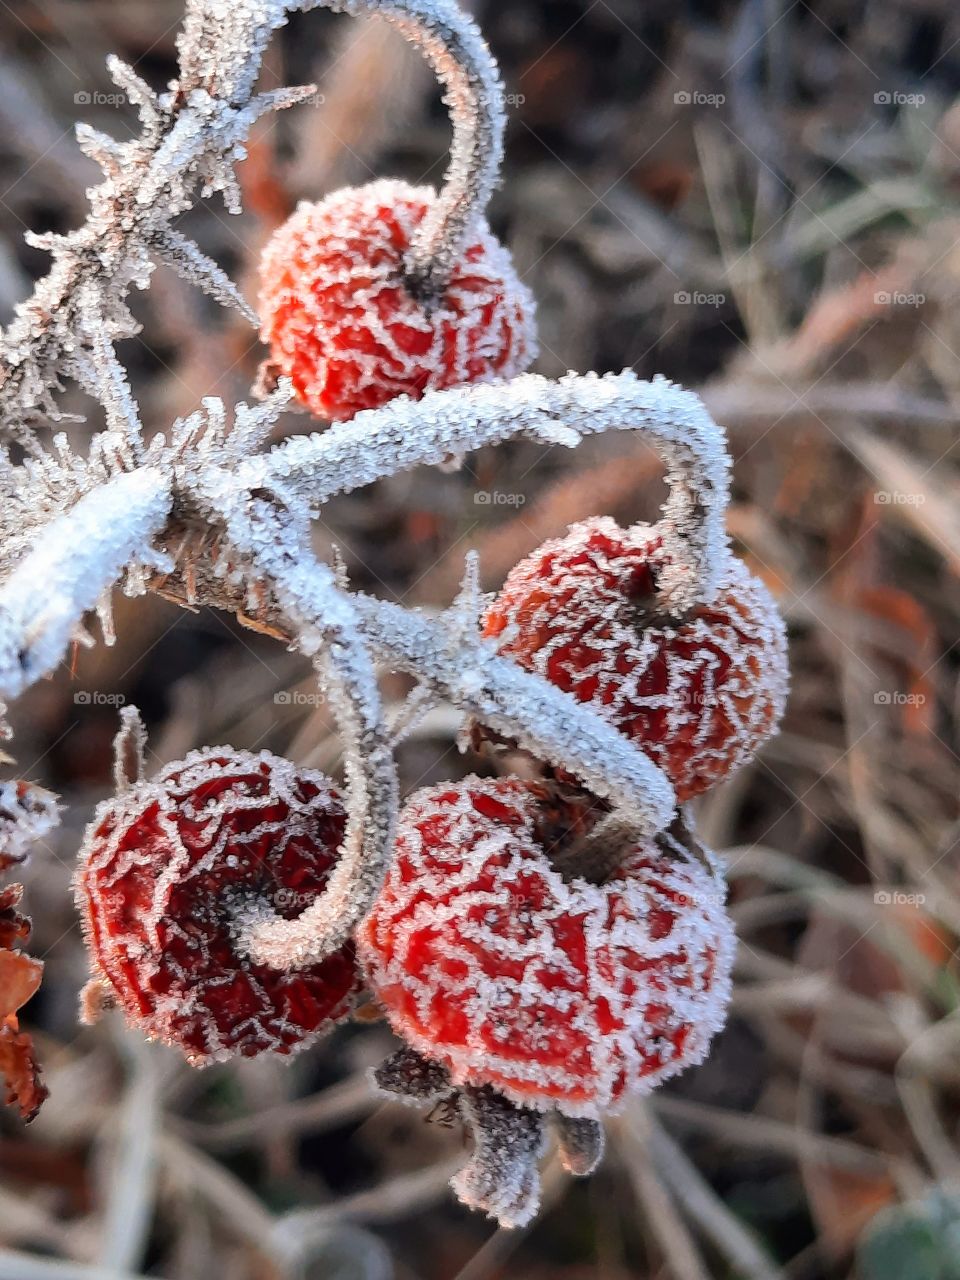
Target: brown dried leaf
{"x": 20, "y": 977}
{"x": 20, "y": 1070}
{"x": 14, "y": 927}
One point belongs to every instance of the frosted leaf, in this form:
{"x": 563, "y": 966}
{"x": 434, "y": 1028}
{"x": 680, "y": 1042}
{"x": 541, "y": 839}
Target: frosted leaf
{"x": 560, "y": 994}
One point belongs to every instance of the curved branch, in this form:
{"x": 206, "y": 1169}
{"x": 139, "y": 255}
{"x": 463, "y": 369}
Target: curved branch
{"x": 327, "y": 630}
{"x": 444, "y": 424}
{"x": 456, "y": 50}
{"x": 522, "y": 705}
{"x": 76, "y": 557}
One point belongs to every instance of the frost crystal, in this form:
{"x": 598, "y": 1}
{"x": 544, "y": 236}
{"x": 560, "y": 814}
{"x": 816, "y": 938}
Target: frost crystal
{"x": 560, "y": 994}
{"x": 343, "y": 323}
{"x": 168, "y": 874}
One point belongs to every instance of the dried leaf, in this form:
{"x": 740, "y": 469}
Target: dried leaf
{"x": 20, "y": 1070}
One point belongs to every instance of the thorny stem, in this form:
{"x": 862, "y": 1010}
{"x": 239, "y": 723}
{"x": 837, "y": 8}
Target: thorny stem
{"x": 192, "y": 136}
{"x": 474, "y": 93}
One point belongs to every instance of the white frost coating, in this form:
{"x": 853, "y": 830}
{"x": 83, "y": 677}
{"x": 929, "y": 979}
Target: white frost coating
{"x": 328, "y": 632}
{"x": 27, "y": 814}
{"x": 191, "y": 138}
{"x": 174, "y": 976}
{"x": 524, "y": 706}
{"x": 335, "y": 318}
{"x": 74, "y": 559}
{"x": 501, "y": 1177}
{"x": 407, "y": 433}
{"x": 702, "y": 692}
{"x": 562, "y": 994}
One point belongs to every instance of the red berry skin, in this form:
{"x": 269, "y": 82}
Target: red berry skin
{"x": 698, "y": 695}
{"x": 342, "y": 325}
{"x": 559, "y": 994}
{"x": 165, "y": 870}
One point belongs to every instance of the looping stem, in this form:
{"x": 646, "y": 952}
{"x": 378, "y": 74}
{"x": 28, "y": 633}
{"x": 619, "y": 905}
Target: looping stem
{"x": 453, "y": 45}
{"x": 327, "y": 632}
{"x": 444, "y": 424}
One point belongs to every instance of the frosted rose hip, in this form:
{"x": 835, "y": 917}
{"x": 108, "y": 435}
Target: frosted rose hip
{"x": 343, "y": 325}
{"x": 559, "y": 994}
{"x": 167, "y": 869}
{"x": 698, "y": 694}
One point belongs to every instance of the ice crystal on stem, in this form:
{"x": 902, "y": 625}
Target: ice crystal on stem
{"x": 543, "y": 949}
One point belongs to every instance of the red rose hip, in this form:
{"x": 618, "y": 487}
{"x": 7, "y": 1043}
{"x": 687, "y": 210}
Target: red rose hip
{"x": 345, "y": 325}
{"x": 699, "y": 693}
{"x": 169, "y": 870}
{"x": 559, "y": 994}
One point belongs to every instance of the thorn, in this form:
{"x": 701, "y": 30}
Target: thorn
{"x": 129, "y": 747}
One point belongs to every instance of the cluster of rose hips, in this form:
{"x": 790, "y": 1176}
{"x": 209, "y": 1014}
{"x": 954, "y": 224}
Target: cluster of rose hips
{"x": 531, "y": 971}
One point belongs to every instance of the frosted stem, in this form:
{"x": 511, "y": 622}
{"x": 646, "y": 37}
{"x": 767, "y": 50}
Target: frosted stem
{"x": 523, "y": 706}
{"x": 75, "y": 558}
{"x": 443, "y": 424}
{"x": 129, "y": 750}
{"x": 327, "y": 631}
{"x": 474, "y": 93}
